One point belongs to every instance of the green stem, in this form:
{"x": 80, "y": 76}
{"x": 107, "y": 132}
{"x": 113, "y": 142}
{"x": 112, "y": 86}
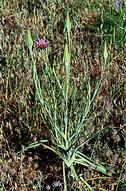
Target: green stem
{"x": 64, "y": 177}
{"x": 74, "y": 173}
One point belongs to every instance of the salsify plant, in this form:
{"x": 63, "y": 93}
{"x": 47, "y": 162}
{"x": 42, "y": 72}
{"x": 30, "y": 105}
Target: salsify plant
{"x": 58, "y": 96}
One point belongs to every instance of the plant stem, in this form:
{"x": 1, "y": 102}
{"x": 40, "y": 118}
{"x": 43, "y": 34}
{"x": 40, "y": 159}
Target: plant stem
{"x": 74, "y": 173}
{"x": 64, "y": 177}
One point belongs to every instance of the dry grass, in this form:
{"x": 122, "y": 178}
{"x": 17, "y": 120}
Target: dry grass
{"x": 20, "y": 113}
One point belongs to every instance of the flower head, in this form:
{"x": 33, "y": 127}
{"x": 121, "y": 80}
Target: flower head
{"x": 117, "y": 3}
{"x": 41, "y": 43}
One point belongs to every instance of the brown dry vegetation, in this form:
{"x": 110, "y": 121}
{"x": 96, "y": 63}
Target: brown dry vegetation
{"x": 20, "y": 114}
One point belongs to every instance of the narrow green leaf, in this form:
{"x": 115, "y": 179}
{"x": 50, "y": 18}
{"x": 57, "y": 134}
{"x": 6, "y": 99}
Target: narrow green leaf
{"x": 67, "y": 62}
{"x": 105, "y": 52}
{"x": 68, "y": 23}
{"x": 29, "y": 40}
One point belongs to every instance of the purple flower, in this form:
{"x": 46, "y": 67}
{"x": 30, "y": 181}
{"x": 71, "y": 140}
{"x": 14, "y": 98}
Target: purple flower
{"x": 117, "y": 3}
{"x": 41, "y": 43}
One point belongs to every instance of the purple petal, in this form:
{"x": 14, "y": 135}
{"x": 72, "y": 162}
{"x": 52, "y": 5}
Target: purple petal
{"x": 41, "y": 43}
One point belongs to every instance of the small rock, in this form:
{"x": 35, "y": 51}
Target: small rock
{"x": 30, "y": 159}
{"x": 56, "y": 184}
{"x": 48, "y": 187}
{"x": 36, "y": 165}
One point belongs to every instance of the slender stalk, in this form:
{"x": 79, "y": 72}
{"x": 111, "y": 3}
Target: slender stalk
{"x": 64, "y": 177}
{"x": 74, "y": 173}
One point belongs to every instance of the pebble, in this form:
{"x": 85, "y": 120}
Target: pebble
{"x": 48, "y": 187}
{"x": 56, "y": 184}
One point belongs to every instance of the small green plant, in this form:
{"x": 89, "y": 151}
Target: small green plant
{"x": 112, "y": 25}
{"x": 64, "y": 115}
